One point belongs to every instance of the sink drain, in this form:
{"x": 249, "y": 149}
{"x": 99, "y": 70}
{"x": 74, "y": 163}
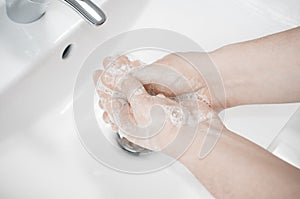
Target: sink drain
{"x": 131, "y": 147}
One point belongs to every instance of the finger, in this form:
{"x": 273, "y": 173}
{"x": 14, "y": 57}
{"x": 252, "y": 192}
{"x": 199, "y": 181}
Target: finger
{"x": 114, "y": 127}
{"x": 174, "y": 83}
{"x": 154, "y": 136}
{"x": 106, "y": 118}
{"x": 96, "y": 76}
{"x": 100, "y": 104}
{"x": 105, "y": 101}
{"x": 123, "y": 60}
{"x": 102, "y": 92}
{"x": 111, "y": 61}
{"x": 104, "y": 98}
{"x": 136, "y": 63}
{"x": 107, "y": 61}
{"x": 131, "y": 86}
{"x": 115, "y": 68}
{"x": 140, "y": 101}
{"x": 109, "y": 110}
{"x": 137, "y": 94}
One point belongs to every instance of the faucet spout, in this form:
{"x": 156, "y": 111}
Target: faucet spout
{"x": 88, "y": 10}
{"x": 27, "y": 11}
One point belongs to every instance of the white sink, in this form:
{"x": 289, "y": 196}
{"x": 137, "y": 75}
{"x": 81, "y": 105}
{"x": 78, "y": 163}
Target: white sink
{"x": 41, "y": 155}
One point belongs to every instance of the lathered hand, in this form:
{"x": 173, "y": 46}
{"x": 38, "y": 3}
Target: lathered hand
{"x": 149, "y": 110}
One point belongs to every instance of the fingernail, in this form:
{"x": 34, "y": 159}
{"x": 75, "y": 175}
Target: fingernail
{"x": 107, "y": 61}
{"x": 100, "y": 104}
{"x": 106, "y": 118}
{"x": 114, "y": 127}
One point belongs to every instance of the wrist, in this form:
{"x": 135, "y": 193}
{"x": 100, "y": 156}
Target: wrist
{"x": 226, "y": 60}
{"x": 205, "y": 139}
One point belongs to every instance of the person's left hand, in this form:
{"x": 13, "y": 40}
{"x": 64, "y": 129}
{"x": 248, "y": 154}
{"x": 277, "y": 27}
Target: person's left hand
{"x": 136, "y": 110}
{"x": 172, "y": 75}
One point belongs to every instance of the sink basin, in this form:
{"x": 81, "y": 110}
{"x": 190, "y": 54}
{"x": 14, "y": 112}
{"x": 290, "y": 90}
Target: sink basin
{"x": 41, "y": 155}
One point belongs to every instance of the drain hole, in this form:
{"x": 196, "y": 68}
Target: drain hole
{"x": 67, "y": 51}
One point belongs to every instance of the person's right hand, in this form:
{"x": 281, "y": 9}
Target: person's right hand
{"x": 138, "y": 110}
{"x": 157, "y": 79}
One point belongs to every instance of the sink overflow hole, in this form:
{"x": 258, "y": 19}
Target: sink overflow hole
{"x": 67, "y": 51}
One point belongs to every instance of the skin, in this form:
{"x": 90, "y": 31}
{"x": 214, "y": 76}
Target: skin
{"x": 144, "y": 101}
{"x": 268, "y": 67}
{"x": 264, "y": 70}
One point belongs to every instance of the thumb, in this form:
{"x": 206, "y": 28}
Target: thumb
{"x": 140, "y": 101}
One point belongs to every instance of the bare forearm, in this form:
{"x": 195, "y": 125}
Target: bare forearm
{"x": 264, "y": 70}
{"x": 237, "y": 168}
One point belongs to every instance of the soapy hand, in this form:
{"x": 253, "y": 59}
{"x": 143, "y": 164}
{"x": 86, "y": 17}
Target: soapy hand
{"x": 150, "y": 105}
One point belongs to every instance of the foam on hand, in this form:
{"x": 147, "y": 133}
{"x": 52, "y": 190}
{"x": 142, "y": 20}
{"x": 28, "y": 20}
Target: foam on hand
{"x": 129, "y": 100}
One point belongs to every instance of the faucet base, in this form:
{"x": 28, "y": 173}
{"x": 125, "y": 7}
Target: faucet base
{"x": 25, "y": 12}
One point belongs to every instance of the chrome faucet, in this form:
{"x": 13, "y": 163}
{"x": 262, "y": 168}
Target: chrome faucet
{"x": 27, "y": 11}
